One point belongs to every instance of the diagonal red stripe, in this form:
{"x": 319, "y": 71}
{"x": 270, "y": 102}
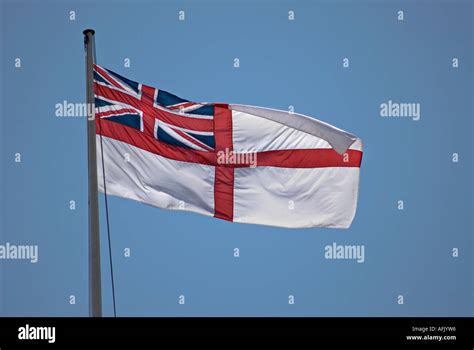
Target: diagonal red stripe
{"x": 181, "y": 105}
{"x": 106, "y": 76}
{"x": 190, "y": 139}
{"x": 115, "y": 111}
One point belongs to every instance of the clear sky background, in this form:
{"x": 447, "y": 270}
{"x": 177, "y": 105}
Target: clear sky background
{"x": 407, "y": 252}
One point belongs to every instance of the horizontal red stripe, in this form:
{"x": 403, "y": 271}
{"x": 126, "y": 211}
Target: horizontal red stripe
{"x": 299, "y": 158}
{"x": 139, "y": 139}
{"x": 196, "y": 124}
{"x": 309, "y": 158}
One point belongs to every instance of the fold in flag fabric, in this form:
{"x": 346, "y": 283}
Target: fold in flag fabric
{"x": 234, "y": 162}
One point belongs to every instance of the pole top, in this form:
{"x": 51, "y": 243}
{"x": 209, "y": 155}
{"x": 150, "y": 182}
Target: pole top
{"x": 87, "y": 31}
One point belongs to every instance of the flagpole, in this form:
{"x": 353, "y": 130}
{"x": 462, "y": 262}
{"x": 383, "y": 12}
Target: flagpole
{"x": 95, "y": 288}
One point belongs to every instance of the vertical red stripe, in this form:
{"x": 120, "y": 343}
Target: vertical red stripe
{"x": 224, "y": 193}
{"x": 148, "y": 120}
{"x": 224, "y": 176}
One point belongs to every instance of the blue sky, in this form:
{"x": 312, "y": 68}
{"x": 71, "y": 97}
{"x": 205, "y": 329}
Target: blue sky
{"x": 407, "y": 252}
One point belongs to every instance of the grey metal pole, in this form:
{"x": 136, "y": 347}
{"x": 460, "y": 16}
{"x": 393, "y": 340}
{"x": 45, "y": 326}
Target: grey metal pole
{"x": 95, "y": 287}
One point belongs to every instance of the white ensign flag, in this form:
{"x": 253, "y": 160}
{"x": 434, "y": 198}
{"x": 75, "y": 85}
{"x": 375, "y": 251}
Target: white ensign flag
{"x": 234, "y": 162}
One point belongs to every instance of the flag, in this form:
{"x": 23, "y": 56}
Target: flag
{"x": 234, "y": 162}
